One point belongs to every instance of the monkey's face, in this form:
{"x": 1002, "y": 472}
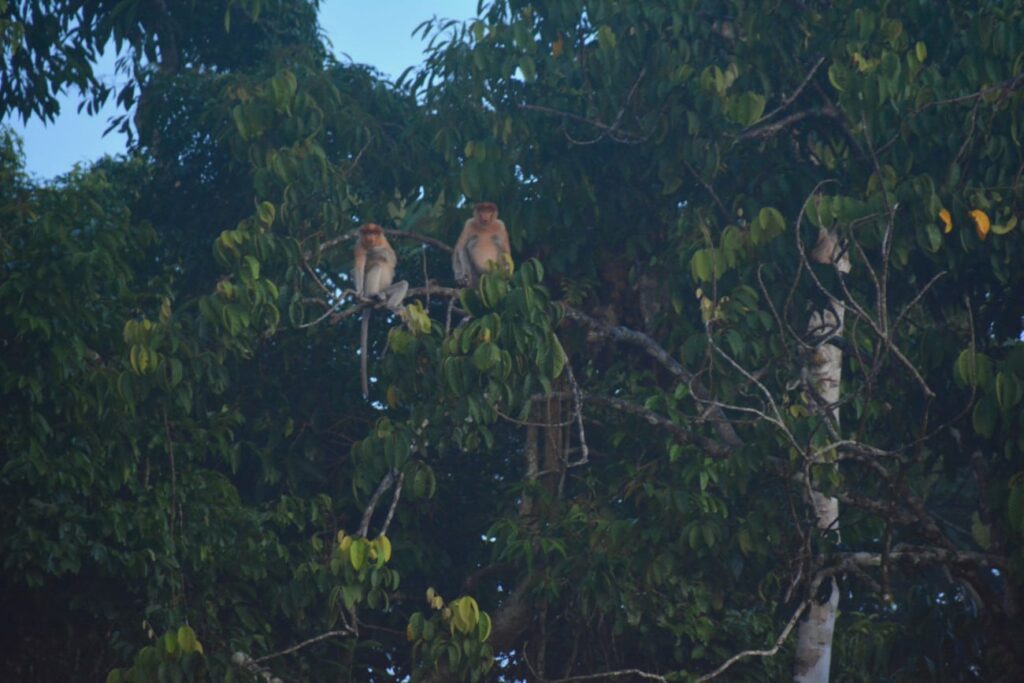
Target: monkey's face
{"x": 485, "y": 216}
{"x": 370, "y": 235}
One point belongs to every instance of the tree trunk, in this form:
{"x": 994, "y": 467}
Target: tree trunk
{"x": 824, "y": 370}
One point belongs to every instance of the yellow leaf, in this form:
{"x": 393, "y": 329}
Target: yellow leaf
{"x": 981, "y": 223}
{"x": 947, "y": 220}
{"x": 385, "y": 546}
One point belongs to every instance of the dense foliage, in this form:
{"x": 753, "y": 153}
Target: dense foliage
{"x": 600, "y": 463}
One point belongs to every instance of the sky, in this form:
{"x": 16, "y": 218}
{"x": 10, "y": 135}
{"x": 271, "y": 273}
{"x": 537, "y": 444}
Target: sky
{"x": 375, "y": 32}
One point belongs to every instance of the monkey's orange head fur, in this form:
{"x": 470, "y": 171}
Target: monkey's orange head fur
{"x": 485, "y": 206}
{"x": 370, "y": 234}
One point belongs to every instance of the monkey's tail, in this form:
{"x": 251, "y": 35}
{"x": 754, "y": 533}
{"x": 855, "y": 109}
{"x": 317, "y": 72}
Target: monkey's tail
{"x": 364, "y": 333}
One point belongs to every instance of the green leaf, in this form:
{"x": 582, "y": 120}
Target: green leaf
{"x": 1003, "y": 228}
{"x": 702, "y": 265}
{"x": 357, "y": 553}
{"x": 1008, "y": 391}
{"x": 486, "y": 356}
{"x": 414, "y": 630}
{"x": 484, "y": 627}
{"x": 984, "y": 417}
{"x": 746, "y": 109}
{"x": 468, "y": 613}
{"x": 606, "y": 38}
{"x": 980, "y": 532}
{"x": 253, "y": 267}
{"x": 266, "y": 213}
{"x": 187, "y": 639}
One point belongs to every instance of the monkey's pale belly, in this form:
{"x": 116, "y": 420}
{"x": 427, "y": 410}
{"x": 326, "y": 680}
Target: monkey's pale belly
{"x": 484, "y": 254}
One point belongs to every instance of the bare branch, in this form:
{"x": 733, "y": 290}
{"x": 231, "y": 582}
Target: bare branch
{"x": 614, "y": 131}
{"x": 1007, "y": 86}
{"x": 385, "y": 484}
{"x": 617, "y": 134}
{"x": 606, "y": 676}
{"x": 341, "y": 633}
{"x": 639, "y": 339}
{"x": 394, "y": 504}
{"x": 918, "y": 555}
{"x": 577, "y": 409}
{"x": 436, "y": 243}
{"x": 759, "y": 653}
{"x": 684, "y": 435}
{"x": 707, "y": 188}
{"x": 796, "y": 93}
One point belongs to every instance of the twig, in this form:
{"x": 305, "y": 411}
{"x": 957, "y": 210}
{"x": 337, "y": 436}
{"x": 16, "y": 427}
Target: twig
{"x": 759, "y": 653}
{"x": 577, "y": 409}
{"x": 639, "y": 339}
{"x": 174, "y": 475}
{"x": 385, "y": 484}
{"x": 613, "y": 130}
{"x": 394, "y": 504}
{"x": 707, "y": 188}
{"x": 684, "y": 435}
{"x": 792, "y": 98}
{"x": 607, "y": 675}
{"x": 1008, "y": 85}
{"x": 421, "y": 238}
{"x": 347, "y": 631}
{"x": 355, "y": 162}
{"x": 331, "y": 309}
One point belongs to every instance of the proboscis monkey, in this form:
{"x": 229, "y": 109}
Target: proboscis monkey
{"x": 373, "y": 272}
{"x": 484, "y": 240}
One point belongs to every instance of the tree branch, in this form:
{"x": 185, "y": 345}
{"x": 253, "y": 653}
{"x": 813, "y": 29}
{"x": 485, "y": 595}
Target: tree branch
{"x": 759, "y": 653}
{"x": 639, "y": 339}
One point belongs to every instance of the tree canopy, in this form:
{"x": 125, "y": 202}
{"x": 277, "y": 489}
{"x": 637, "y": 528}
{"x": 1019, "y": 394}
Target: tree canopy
{"x": 767, "y": 258}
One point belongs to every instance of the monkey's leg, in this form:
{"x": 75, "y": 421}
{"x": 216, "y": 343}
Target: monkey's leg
{"x": 394, "y": 294}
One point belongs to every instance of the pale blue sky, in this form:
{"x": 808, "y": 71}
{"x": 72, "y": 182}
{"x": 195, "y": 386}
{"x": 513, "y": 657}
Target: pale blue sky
{"x": 376, "y": 32}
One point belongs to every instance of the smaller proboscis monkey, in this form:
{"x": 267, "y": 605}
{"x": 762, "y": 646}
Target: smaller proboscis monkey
{"x": 373, "y": 272}
{"x": 483, "y": 242}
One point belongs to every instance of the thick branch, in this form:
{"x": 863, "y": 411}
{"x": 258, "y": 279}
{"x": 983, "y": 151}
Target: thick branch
{"x": 918, "y": 555}
{"x": 356, "y": 307}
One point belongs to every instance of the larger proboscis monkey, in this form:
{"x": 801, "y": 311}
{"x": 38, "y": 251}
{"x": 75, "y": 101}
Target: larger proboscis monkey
{"x": 374, "y": 272}
{"x": 483, "y": 245}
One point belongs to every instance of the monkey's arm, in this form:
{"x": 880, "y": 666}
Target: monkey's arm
{"x": 359, "y": 269}
{"x": 460, "y": 259}
{"x": 502, "y": 237}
